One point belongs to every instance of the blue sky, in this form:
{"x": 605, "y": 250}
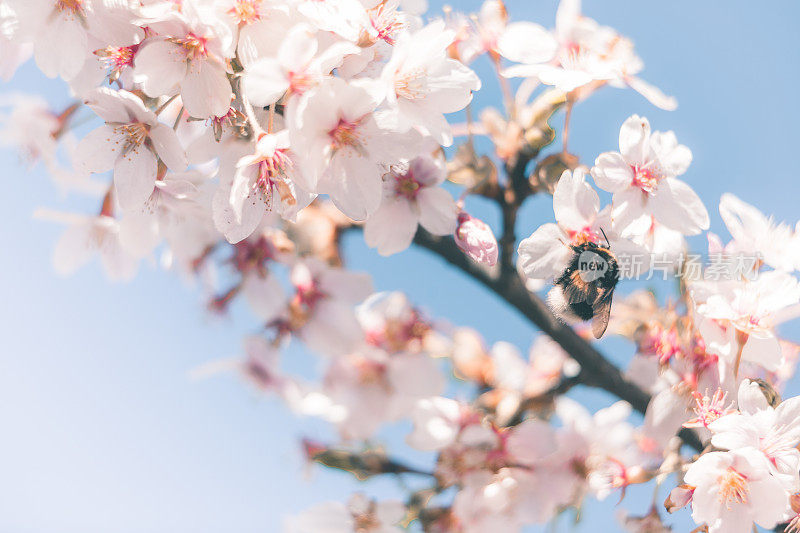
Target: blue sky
{"x": 104, "y": 431}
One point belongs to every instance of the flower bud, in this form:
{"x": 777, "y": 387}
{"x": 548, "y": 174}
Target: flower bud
{"x": 679, "y": 498}
{"x": 475, "y": 238}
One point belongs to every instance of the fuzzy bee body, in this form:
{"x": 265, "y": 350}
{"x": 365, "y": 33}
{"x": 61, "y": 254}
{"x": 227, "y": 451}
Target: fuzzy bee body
{"x": 583, "y": 292}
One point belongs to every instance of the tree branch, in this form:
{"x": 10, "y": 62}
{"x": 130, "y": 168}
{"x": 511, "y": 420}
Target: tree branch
{"x": 596, "y": 370}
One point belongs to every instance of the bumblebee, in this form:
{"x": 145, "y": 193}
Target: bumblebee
{"x": 585, "y": 289}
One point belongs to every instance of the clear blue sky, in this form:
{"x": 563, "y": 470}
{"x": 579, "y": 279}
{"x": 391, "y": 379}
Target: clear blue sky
{"x": 104, "y": 432}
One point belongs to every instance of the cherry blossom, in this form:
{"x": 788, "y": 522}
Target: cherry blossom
{"x": 360, "y": 515}
{"x": 322, "y": 310}
{"x": 344, "y": 139}
{"x": 86, "y": 237}
{"x": 412, "y": 197}
{"x": 773, "y": 431}
{"x": 743, "y": 315}
{"x": 585, "y": 54}
{"x": 642, "y": 176}
{"x": 188, "y": 54}
{"x": 422, "y": 83}
{"x": 132, "y": 142}
{"x": 264, "y": 183}
{"x": 734, "y": 489}
{"x": 476, "y": 239}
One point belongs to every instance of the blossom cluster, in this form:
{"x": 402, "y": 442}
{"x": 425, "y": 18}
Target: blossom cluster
{"x": 240, "y": 140}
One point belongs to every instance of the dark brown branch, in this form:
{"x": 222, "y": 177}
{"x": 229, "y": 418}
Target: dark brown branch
{"x": 363, "y": 464}
{"x": 596, "y": 370}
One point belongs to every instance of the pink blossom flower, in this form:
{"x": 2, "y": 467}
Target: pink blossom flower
{"x": 422, "y": 83}
{"x": 775, "y": 431}
{"x": 735, "y": 489}
{"x": 412, "y": 196}
{"x": 476, "y": 239}
{"x": 360, "y": 515}
{"x": 346, "y": 148}
{"x": 188, "y": 55}
{"x": 642, "y": 176}
{"x": 131, "y": 142}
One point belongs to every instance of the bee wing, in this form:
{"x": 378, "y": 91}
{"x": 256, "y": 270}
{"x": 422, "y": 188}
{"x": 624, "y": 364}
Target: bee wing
{"x": 602, "y": 312}
{"x": 577, "y": 290}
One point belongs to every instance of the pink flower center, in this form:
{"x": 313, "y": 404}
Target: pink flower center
{"x": 406, "y": 186}
{"x": 733, "y": 488}
{"x": 193, "y": 45}
{"x": 116, "y": 57}
{"x": 387, "y": 24}
{"x": 300, "y": 82}
{"x": 309, "y": 294}
{"x": 582, "y": 236}
{"x": 411, "y": 85}
{"x": 72, "y": 6}
{"x": 371, "y": 372}
{"x": 245, "y": 11}
{"x": 646, "y": 177}
{"x": 708, "y": 409}
{"x": 135, "y": 134}
{"x": 345, "y": 134}
{"x": 269, "y": 169}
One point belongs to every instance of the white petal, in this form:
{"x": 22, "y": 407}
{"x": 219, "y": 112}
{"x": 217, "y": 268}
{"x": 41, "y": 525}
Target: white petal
{"x": 678, "y": 207}
{"x": 634, "y": 139}
{"x": 354, "y": 185}
{"x": 750, "y": 398}
{"x": 575, "y": 203}
{"x": 265, "y": 296}
{"x": 543, "y": 254}
{"x": 99, "y": 149}
{"x": 60, "y": 49}
{"x": 109, "y": 104}
{"x": 235, "y": 228}
{"x": 765, "y": 352}
{"x": 135, "y": 177}
{"x": 138, "y": 233}
{"x": 653, "y": 94}
{"x": 391, "y": 228}
{"x": 265, "y": 81}
{"x": 611, "y": 172}
{"x": 72, "y": 250}
{"x": 160, "y": 67}
{"x": 526, "y": 42}
{"x": 628, "y": 210}
{"x": 437, "y": 210}
{"x": 168, "y": 147}
{"x": 298, "y": 47}
{"x": 206, "y": 91}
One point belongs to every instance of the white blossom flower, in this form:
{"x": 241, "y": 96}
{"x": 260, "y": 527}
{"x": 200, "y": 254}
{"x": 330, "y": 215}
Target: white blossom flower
{"x": 546, "y": 253}
{"x": 642, "y": 176}
{"x": 412, "y": 196}
{"x": 322, "y": 312}
{"x": 735, "y": 489}
{"x": 131, "y": 142}
{"x": 188, "y": 54}
{"x": 754, "y": 233}
{"x": 775, "y": 431}
{"x": 360, "y": 515}
{"x": 346, "y": 149}
{"x": 299, "y": 65}
{"x": 742, "y": 315}
{"x": 370, "y": 387}
{"x": 422, "y": 83}
{"x": 87, "y": 236}
{"x": 264, "y": 183}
